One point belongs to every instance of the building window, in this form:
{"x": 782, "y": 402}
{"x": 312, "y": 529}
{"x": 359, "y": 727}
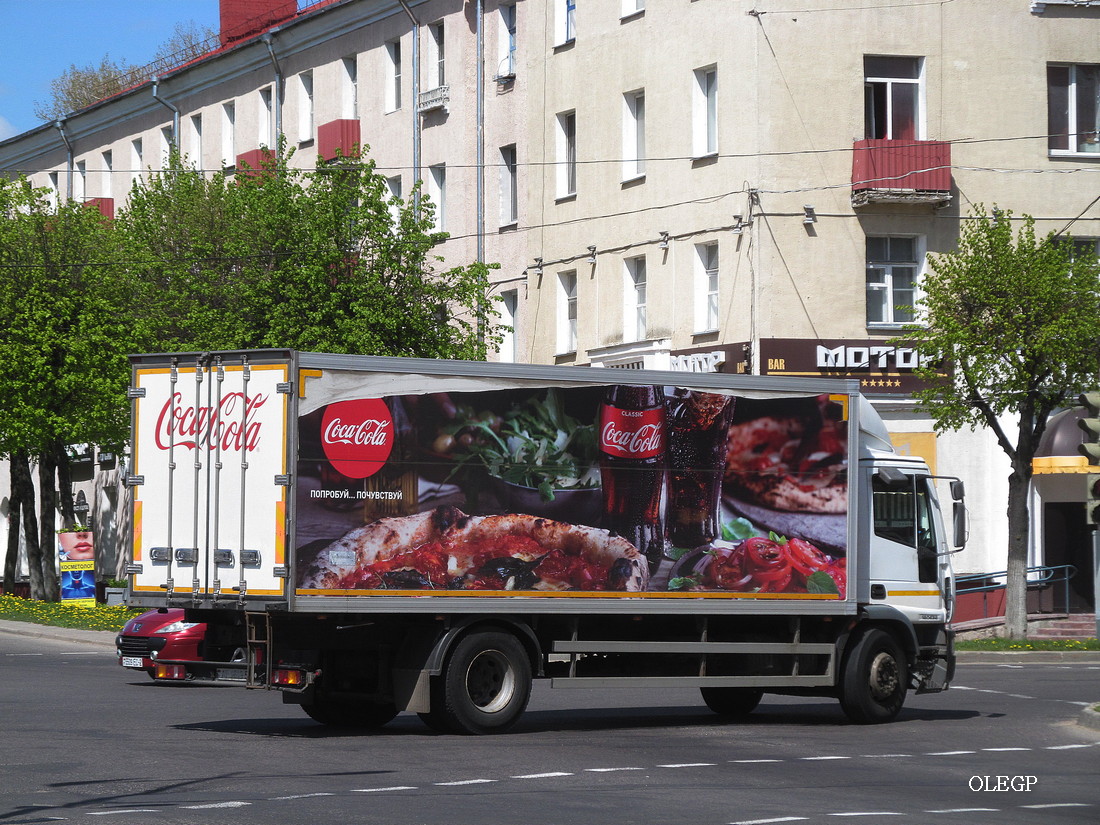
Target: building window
{"x": 509, "y": 307}
{"x": 1073, "y": 108}
{"x": 137, "y": 160}
{"x": 437, "y": 192}
{"x": 704, "y": 112}
{"x": 437, "y": 73}
{"x": 229, "y": 135}
{"x": 393, "y": 185}
{"x": 305, "y": 107}
{"x": 167, "y": 144}
{"x": 506, "y": 42}
{"x": 892, "y": 97}
{"x": 108, "y": 172}
{"x": 706, "y": 287}
{"x": 196, "y": 141}
{"x": 509, "y": 187}
{"x": 893, "y": 272}
{"x": 263, "y": 121}
{"x": 632, "y": 7}
{"x": 393, "y": 75}
{"x": 633, "y": 135}
{"x": 565, "y": 21}
{"x": 634, "y": 299}
{"x": 54, "y": 194}
{"x": 80, "y": 181}
{"x": 567, "y": 154}
{"x": 567, "y": 312}
{"x": 349, "y": 88}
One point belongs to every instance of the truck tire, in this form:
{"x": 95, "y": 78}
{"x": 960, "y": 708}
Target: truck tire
{"x": 363, "y": 715}
{"x": 733, "y": 702}
{"x": 875, "y": 678}
{"x": 485, "y": 684}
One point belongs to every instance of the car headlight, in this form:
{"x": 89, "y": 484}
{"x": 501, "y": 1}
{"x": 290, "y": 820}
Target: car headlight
{"x": 175, "y": 627}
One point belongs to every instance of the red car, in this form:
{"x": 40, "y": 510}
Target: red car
{"x": 169, "y": 648}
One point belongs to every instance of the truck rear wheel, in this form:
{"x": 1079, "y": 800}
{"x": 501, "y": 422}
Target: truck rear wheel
{"x": 344, "y": 714}
{"x": 732, "y": 701}
{"x": 485, "y": 685}
{"x": 875, "y": 678}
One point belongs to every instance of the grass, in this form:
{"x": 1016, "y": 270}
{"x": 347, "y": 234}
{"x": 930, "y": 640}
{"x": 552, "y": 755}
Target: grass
{"x": 61, "y": 614}
{"x": 1014, "y": 645}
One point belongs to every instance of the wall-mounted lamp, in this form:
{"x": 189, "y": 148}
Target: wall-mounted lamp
{"x": 739, "y": 225}
{"x": 810, "y": 216}
{"x": 592, "y": 254}
{"x": 663, "y": 244}
{"x": 538, "y": 266}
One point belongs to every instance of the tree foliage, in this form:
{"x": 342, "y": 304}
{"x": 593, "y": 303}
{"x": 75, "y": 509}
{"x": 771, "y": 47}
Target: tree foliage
{"x": 319, "y": 260}
{"x": 1015, "y": 317}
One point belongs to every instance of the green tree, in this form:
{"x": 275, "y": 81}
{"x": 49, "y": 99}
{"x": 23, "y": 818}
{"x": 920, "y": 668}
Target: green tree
{"x": 1016, "y": 318}
{"x": 65, "y": 334}
{"x": 316, "y": 260}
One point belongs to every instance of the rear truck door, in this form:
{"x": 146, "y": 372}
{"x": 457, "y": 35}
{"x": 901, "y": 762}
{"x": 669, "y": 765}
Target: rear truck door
{"x": 210, "y": 477}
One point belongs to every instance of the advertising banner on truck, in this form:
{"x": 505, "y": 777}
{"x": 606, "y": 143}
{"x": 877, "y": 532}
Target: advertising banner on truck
{"x": 542, "y": 491}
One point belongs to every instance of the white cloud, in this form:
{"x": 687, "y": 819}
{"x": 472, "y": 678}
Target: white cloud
{"x": 6, "y": 129}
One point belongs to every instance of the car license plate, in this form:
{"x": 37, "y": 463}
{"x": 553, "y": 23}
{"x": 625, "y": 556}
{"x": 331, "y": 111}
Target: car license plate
{"x": 131, "y": 661}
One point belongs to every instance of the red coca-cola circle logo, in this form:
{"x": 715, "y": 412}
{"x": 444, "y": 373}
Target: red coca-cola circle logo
{"x": 357, "y": 436}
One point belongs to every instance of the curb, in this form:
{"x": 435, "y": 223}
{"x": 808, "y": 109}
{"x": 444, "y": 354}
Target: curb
{"x": 1036, "y": 657}
{"x": 97, "y": 638}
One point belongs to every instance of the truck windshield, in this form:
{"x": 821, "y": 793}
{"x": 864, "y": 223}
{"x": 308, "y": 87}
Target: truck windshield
{"x": 903, "y": 514}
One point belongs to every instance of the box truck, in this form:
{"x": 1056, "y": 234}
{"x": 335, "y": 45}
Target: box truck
{"x": 380, "y": 535}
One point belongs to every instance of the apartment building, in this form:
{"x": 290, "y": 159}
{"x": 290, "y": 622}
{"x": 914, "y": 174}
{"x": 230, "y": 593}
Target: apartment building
{"x": 688, "y": 184}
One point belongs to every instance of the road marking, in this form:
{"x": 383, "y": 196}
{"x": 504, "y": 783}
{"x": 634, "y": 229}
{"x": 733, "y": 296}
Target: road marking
{"x": 768, "y": 821}
{"x": 612, "y": 770}
{"x": 467, "y": 782}
{"x": 123, "y": 811}
{"x": 550, "y": 775}
{"x": 1060, "y": 805}
{"x": 382, "y": 790}
{"x": 298, "y": 796}
{"x": 964, "y": 811}
{"x": 1065, "y": 747}
{"x": 886, "y": 755}
{"x": 1002, "y": 750}
{"x": 212, "y": 805}
{"x": 949, "y": 753}
{"x": 867, "y": 813}
{"x": 821, "y": 758}
{"x": 689, "y": 765}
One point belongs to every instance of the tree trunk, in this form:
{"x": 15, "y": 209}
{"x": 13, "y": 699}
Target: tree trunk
{"x": 47, "y": 507}
{"x": 1019, "y": 484}
{"x": 11, "y": 558}
{"x": 21, "y": 481}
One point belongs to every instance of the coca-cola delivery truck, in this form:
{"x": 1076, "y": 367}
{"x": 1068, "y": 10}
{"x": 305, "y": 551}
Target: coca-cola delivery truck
{"x": 374, "y": 535}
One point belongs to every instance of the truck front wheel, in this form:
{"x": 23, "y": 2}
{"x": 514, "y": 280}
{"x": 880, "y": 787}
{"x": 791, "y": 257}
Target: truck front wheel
{"x": 485, "y": 685}
{"x": 875, "y": 678}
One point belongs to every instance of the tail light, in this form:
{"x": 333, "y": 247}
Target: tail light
{"x": 288, "y": 678}
{"x": 170, "y": 672}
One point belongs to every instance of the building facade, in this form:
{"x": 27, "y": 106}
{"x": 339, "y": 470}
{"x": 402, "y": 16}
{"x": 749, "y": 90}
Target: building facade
{"x": 688, "y": 184}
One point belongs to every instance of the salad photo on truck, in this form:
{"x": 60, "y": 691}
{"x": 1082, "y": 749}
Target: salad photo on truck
{"x": 378, "y": 535}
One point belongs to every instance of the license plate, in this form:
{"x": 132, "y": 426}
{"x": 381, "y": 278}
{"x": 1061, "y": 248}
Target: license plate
{"x": 131, "y": 661}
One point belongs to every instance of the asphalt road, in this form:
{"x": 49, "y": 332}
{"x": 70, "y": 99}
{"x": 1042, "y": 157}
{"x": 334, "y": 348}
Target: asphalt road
{"x": 85, "y": 741}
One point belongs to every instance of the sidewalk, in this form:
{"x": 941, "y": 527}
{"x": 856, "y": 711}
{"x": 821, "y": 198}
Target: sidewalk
{"x": 1089, "y": 718}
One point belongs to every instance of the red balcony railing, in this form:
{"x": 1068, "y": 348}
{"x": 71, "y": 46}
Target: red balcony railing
{"x": 901, "y": 170}
{"x": 342, "y": 135}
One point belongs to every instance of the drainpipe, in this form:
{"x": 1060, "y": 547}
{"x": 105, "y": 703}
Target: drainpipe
{"x": 269, "y": 41}
{"x": 60, "y": 124}
{"x": 175, "y": 114}
{"x": 415, "y": 96}
{"x": 480, "y": 91}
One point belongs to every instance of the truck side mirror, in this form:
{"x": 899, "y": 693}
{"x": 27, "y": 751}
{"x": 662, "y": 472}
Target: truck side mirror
{"x": 958, "y": 518}
{"x": 958, "y": 490}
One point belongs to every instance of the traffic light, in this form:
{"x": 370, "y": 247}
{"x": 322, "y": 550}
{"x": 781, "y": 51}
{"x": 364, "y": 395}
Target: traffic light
{"x": 1092, "y": 499}
{"x": 1090, "y": 449}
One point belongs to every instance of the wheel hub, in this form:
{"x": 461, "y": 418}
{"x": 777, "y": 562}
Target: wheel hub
{"x": 490, "y": 681}
{"x": 884, "y": 677}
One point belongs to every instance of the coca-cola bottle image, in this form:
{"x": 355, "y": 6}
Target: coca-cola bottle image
{"x": 698, "y": 426}
{"x": 632, "y": 466}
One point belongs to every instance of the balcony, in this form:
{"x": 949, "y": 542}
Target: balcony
{"x": 337, "y": 137}
{"x": 105, "y": 206}
{"x": 433, "y": 99}
{"x": 251, "y": 163}
{"x": 901, "y": 171}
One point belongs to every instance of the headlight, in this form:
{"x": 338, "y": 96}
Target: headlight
{"x": 175, "y": 627}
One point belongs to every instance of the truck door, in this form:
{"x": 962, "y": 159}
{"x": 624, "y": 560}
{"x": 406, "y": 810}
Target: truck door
{"x": 905, "y": 559}
{"x": 209, "y": 478}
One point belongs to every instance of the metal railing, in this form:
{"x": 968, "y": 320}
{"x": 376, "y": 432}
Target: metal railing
{"x": 1038, "y": 578}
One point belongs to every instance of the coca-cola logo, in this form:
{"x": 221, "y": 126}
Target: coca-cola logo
{"x": 632, "y": 433}
{"x": 230, "y": 426}
{"x": 357, "y": 436}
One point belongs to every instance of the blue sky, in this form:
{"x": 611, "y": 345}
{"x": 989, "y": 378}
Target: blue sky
{"x": 40, "y": 39}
